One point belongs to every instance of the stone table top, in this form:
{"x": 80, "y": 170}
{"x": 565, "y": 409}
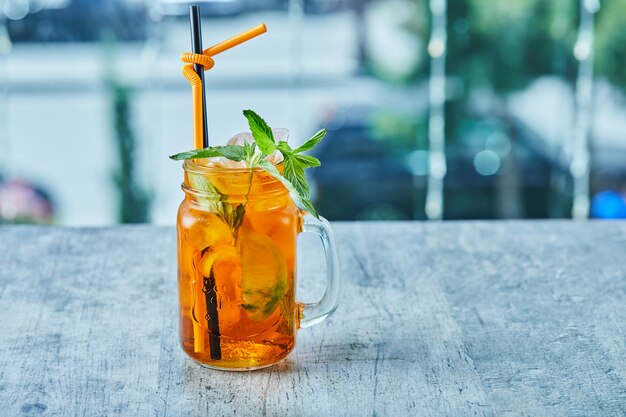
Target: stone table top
{"x": 454, "y": 318}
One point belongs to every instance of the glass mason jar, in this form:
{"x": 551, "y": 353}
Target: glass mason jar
{"x": 237, "y": 236}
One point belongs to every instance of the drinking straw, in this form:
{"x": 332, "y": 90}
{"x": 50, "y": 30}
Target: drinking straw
{"x": 196, "y": 48}
{"x": 236, "y": 40}
{"x": 203, "y": 61}
{"x": 210, "y": 298}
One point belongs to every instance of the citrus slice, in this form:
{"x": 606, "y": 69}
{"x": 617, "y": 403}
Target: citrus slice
{"x": 214, "y": 256}
{"x": 201, "y": 229}
{"x": 222, "y": 262}
{"x": 263, "y": 274}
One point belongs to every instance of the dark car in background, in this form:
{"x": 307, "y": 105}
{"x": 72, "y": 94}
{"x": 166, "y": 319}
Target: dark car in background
{"x": 370, "y": 172}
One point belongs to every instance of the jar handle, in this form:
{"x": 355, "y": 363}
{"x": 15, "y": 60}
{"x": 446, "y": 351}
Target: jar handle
{"x": 313, "y": 313}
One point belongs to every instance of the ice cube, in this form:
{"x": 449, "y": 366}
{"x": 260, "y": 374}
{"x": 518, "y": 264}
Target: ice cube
{"x": 280, "y": 134}
{"x": 221, "y": 162}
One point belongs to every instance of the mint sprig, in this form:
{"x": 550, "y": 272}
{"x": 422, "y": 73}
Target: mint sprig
{"x": 294, "y": 166}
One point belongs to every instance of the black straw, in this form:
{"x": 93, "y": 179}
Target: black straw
{"x": 210, "y": 298}
{"x": 196, "y": 48}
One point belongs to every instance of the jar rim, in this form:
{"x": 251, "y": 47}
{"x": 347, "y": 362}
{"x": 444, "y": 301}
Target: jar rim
{"x": 190, "y": 166}
{"x": 237, "y": 177}
{"x": 198, "y": 194}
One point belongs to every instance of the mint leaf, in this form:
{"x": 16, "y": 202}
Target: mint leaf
{"x": 201, "y": 183}
{"x": 308, "y": 206}
{"x": 295, "y": 193}
{"x": 196, "y": 154}
{"x": 232, "y": 152}
{"x": 284, "y": 146}
{"x": 238, "y": 214}
{"x": 294, "y": 173}
{"x": 268, "y": 167}
{"x": 218, "y": 204}
{"x": 249, "y": 149}
{"x": 309, "y": 144}
{"x": 262, "y": 133}
{"x": 308, "y": 161}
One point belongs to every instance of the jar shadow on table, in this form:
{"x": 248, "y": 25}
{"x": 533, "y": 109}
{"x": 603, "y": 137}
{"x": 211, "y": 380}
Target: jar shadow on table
{"x": 286, "y": 366}
{"x": 311, "y": 355}
{"x": 350, "y": 350}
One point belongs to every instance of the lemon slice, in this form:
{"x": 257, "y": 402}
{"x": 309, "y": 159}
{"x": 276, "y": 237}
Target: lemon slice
{"x": 264, "y": 274}
{"x": 201, "y": 230}
{"x": 215, "y": 256}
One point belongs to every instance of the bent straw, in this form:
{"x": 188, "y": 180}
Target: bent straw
{"x": 236, "y": 40}
{"x": 205, "y": 61}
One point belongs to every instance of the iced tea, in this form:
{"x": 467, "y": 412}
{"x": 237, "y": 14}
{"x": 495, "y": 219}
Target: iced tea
{"x": 237, "y": 232}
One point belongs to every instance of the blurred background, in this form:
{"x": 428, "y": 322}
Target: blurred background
{"x": 435, "y": 109}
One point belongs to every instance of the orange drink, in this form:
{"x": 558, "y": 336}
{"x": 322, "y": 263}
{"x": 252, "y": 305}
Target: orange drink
{"x": 237, "y": 235}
